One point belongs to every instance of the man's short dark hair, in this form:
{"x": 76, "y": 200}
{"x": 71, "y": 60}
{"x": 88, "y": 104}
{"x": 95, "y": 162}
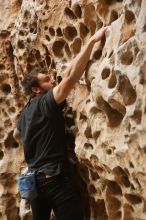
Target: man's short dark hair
{"x": 30, "y": 80}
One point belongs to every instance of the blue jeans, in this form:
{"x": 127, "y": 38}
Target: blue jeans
{"x": 59, "y": 193}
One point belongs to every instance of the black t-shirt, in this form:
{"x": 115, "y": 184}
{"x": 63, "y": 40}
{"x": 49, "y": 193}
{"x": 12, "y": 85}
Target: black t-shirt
{"x": 42, "y": 127}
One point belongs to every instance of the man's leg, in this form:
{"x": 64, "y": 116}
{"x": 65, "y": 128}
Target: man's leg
{"x": 69, "y": 210}
{"x": 66, "y": 200}
{"x": 40, "y": 209}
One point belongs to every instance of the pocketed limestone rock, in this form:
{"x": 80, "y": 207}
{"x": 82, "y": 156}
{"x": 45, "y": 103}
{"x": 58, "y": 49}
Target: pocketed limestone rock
{"x": 106, "y": 109}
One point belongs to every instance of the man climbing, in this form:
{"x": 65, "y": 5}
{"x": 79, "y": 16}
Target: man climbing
{"x": 42, "y": 130}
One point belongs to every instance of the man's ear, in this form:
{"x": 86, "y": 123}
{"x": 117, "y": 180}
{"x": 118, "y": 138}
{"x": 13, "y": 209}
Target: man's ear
{"x": 36, "y": 90}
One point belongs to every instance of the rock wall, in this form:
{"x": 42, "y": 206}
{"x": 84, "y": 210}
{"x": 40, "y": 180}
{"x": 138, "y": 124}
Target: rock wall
{"x": 108, "y": 103}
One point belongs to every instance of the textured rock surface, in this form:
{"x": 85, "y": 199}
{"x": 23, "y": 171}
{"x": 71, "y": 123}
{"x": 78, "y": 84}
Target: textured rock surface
{"x": 108, "y": 103}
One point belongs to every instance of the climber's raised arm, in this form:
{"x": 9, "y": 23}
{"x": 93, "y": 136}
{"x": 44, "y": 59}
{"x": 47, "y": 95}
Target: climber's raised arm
{"x": 76, "y": 68}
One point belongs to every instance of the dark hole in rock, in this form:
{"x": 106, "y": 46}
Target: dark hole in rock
{"x": 109, "y": 151}
{"x": 59, "y": 32}
{"x": 1, "y": 154}
{"x": 48, "y": 60}
{"x": 98, "y": 208}
{"x": 111, "y": 53}
{"x": 30, "y": 67}
{"x": 52, "y": 31}
{"x": 24, "y": 24}
{"x": 77, "y": 10}
{"x": 67, "y": 50}
{"x": 144, "y": 28}
{"x": 21, "y": 44}
{"x": 94, "y": 159}
{"x": 21, "y": 33}
{"x": 83, "y": 30}
{"x": 33, "y": 28}
{"x": 70, "y": 32}
{"x": 92, "y": 189}
{"x": 94, "y": 175}
{"x": 121, "y": 176}
{"x": 46, "y": 28}
{"x": 125, "y": 181}
{"x": 88, "y": 132}
{"x": 28, "y": 40}
{"x": 101, "y": 210}
{"x": 137, "y": 116}
{"x": 6, "y": 88}
{"x": 113, "y": 204}
{"x": 31, "y": 59}
{"x": 128, "y": 209}
{"x": 88, "y": 146}
{"x": 12, "y": 110}
{"x": 53, "y": 66}
{"x": 142, "y": 77}
{"x": 42, "y": 64}
{"x": 144, "y": 149}
{"x": 92, "y": 26}
{"x": 37, "y": 55}
{"x": 94, "y": 110}
{"x": 115, "y": 215}
{"x": 59, "y": 79}
{"x": 76, "y": 45}
{"x": 7, "y": 123}
{"x": 96, "y": 134}
{"x": 114, "y": 16}
{"x": 131, "y": 164}
{"x": 126, "y": 58}
{"x": 57, "y": 48}
{"x": 105, "y": 73}
{"x": 83, "y": 117}
{"x": 19, "y": 2}
{"x": 4, "y": 33}
{"x": 69, "y": 13}
{"x": 2, "y": 66}
{"x": 47, "y": 37}
{"x": 15, "y": 144}
{"x": 126, "y": 90}
{"x": 10, "y": 142}
{"x": 112, "y": 81}
{"x": 137, "y": 181}
{"x": 109, "y": 2}
{"x": 134, "y": 199}
{"x": 87, "y": 101}
{"x": 129, "y": 16}
{"x": 46, "y": 7}
{"x": 118, "y": 170}
{"x": 9, "y": 50}
{"x": 46, "y": 49}
{"x": 117, "y": 106}
{"x": 114, "y": 188}
{"x": 97, "y": 54}
{"x": 132, "y": 187}
{"x": 27, "y": 14}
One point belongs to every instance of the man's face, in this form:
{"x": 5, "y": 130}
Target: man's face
{"x": 46, "y": 82}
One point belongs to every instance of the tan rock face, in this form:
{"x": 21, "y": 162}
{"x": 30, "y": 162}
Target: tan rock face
{"x": 108, "y": 103}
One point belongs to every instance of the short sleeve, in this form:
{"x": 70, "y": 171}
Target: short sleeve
{"x": 48, "y": 103}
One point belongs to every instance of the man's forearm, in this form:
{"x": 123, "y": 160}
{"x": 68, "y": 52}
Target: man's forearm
{"x": 79, "y": 63}
{"x": 76, "y": 68}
